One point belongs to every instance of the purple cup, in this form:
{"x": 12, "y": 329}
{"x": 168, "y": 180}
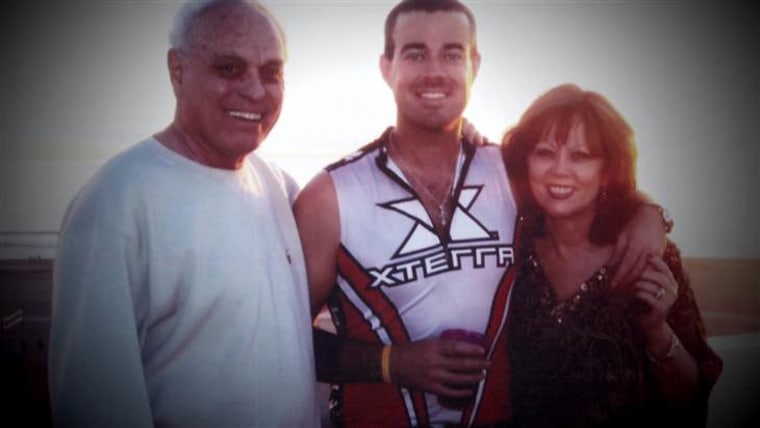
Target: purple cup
{"x": 461, "y": 335}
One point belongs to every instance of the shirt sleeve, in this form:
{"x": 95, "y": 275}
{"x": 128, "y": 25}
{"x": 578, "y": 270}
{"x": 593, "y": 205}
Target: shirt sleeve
{"x": 96, "y": 373}
{"x": 686, "y": 321}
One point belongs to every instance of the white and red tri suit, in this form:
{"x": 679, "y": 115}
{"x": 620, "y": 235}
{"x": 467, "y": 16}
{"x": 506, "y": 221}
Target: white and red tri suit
{"x": 399, "y": 281}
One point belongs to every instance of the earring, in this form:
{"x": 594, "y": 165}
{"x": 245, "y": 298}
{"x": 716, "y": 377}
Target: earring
{"x": 603, "y": 196}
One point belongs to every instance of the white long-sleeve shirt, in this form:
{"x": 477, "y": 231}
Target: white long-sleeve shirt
{"x": 180, "y": 298}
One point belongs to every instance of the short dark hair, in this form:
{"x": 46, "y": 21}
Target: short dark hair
{"x": 407, "y": 6}
{"x": 608, "y": 135}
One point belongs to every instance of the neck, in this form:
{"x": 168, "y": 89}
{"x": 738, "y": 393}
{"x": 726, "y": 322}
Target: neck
{"x": 428, "y": 161}
{"x": 178, "y": 140}
{"x": 425, "y": 147}
{"x": 568, "y": 235}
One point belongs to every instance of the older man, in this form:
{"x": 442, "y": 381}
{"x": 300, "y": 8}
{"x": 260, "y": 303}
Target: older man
{"x": 180, "y": 292}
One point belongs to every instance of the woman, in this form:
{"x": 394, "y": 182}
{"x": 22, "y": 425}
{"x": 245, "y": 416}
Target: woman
{"x": 582, "y": 353}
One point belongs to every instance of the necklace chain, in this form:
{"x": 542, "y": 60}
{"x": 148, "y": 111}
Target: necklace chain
{"x": 418, "y": 183}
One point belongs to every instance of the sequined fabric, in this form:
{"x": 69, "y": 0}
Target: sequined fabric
{"x": 581, "y": 361}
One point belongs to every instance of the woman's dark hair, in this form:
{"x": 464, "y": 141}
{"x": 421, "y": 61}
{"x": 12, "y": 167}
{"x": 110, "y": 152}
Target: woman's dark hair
{"x": 608, "y": 135}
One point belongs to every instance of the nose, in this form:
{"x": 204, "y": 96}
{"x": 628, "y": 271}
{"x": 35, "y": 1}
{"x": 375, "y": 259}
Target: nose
{"x": 561, "y": 165}
{"x": 434, "y": 67}
{"x": 252, "y": 87}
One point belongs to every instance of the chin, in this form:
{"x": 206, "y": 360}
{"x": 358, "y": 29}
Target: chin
{"x": 246, "y": 143}
{"x": 566, "y": 213}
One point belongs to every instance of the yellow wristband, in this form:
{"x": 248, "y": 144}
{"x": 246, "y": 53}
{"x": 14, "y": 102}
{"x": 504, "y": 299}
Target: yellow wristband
{"x": 385, "y": 363}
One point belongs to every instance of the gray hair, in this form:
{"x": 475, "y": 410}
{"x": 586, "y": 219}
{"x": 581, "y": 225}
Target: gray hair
{"x": 188, "y": 16}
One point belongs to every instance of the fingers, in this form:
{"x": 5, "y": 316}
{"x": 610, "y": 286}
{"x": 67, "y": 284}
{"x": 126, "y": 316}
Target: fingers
{"x": 458, "y": 348}
{"x": 463, "y": 357}
{"x": 658, "y": 272}
{"x": 658, "y": 298}
{"x": 649, "y": 289}
{"x": 660, "y": 281}
{"x": 461, "y": 380}
{"x": 457, "y": 388}
{"x": 471, "y": 133}
{"x": 632, "y": 263}
{"x": 461, "y": 369}
{"x": 435, "y": 365}
{"x": 659, "y": 265}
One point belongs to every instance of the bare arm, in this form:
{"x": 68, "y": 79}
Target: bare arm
{"x": 643, "y": 235}
{"x": 317, "y": 217}
{"x": 675, "y": 368}
{"x": 442, "y": 367}
{"x": 431, "y": 365}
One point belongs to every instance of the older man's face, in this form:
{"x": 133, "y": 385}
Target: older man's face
{"x": 230, "y": 90}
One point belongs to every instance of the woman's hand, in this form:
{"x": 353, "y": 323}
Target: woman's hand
{"x": 659, "y": 290}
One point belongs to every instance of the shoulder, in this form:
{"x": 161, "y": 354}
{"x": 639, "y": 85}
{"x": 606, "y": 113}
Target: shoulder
{"x": 318, "y": 193}
{"x": 281, "y": 178}
{"x": 126, "y": 163}
{"x": 113, "y": 194}
{"x": 127, "y": 170}
{"x": 490, "y": 154}
{"x": 363, "y": 153}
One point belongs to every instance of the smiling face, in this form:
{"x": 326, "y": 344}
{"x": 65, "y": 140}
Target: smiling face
{"x": 432, "y": 68}
{"x": 565, "y": 177}
{"x": 228, "y": 83}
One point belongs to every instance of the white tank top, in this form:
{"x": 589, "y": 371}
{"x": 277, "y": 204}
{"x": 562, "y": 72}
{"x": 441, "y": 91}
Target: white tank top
{"x": 398, "y": 280}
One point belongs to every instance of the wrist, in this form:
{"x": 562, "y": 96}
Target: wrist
{"x": 657, "y": 339}
{"x": 385, "y": 364}
{"x": 662, "y": 345}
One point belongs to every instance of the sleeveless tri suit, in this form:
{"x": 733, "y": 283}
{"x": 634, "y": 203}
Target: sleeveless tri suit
{"x": 398, "y": 281}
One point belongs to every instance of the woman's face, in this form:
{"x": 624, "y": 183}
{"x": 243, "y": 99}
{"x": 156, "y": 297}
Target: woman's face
{"x": 565, "y": 178}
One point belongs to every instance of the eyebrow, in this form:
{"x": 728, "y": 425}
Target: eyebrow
{"x": 273, "y": 63}
{"x": 224, "y": 57}
{"x": 422, "y": 46}
{"x": 449, "y": 46}
{"x": 412, "y": 46}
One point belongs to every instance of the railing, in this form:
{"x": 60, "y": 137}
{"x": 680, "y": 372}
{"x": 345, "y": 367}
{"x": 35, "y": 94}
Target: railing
{"x": 22, "y": 245}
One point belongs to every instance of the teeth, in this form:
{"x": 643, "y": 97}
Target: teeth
{"x": 433, "y": 95}
{"x": 560, "y": 190}
{"x": 245, "y": 115}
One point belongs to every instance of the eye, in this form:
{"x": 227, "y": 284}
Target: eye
{"x": 453, "y": 56}
{"x": 272, "y": 74}
{"x": 580, "y": 156}
{"x": 414, "y": 55}
{"x": 543, "y": 152}
{"x": 229, "y": 70}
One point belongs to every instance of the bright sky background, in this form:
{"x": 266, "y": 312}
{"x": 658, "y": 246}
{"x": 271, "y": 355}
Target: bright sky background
{"x": 83, "y": 80}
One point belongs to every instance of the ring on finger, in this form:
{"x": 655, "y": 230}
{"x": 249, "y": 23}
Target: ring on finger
{"x": 660, "y": 292}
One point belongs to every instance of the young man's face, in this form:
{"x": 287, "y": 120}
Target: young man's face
{"x": 432, "y": 68}
{"x": 229, "y": 84}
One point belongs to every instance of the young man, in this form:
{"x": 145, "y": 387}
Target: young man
{"x": 413, "y": 235}
{"x": 179, "y": 291}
